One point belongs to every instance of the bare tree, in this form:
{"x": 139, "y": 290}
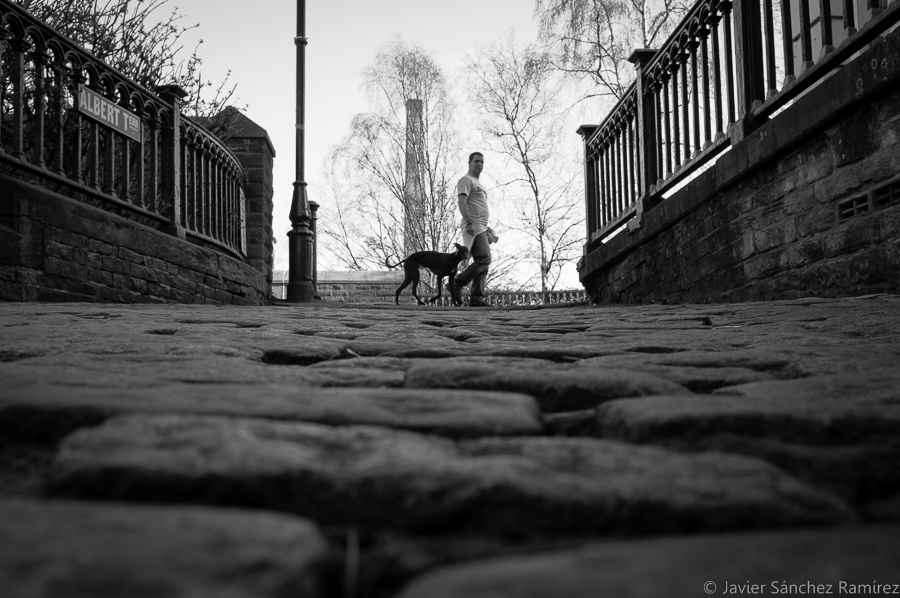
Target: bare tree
{"x": 390, "y": 207}
{"x": 138, "y": 39}
{"x": 515, "y": 92}
{"x": 593, "y": 38}
{"x": 352, "y": 228}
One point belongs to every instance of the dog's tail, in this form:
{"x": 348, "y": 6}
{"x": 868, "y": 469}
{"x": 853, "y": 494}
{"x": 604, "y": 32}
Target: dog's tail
{"x": 387, "y": 262}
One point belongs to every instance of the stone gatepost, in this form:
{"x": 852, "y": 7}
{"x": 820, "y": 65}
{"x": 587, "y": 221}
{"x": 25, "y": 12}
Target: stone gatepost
{"x": 254, "y": 150}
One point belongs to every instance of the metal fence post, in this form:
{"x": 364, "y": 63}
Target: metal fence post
{"x": 314, "y": 208}
{"x": 171, "y": 159}
{"x": 591, "y": 196}
{"x": 648, "y": 170}
{"x": 748, "y": 53}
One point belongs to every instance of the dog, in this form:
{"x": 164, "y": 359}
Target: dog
{"x": 442, "y": 264}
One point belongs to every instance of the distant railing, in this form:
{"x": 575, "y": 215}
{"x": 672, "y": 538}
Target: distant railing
{"x": 726, "y": 69}
{"x": 526, "y": 298}
{"x": 535, "y": 298}
{"x": 70, "y": 122}
{"x": 498, "y": 299}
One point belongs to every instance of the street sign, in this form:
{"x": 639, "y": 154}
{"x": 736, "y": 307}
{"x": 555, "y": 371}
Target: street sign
{"x": 94, "y": 105}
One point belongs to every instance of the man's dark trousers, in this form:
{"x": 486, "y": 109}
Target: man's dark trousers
{"x": 476, "y": 273}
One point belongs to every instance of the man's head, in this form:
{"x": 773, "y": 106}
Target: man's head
{"x": 476, "y": 163}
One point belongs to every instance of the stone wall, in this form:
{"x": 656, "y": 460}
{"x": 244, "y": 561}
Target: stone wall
{"x": 53, "y": 248}
{"x": 809, "y": 204}
{"x": 353, "y": 286}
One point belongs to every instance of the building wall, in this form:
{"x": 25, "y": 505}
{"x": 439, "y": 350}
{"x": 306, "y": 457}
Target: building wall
{"x": 53, "y": 248}
{"x": 809, "y": 205}
{"x": 254, "y": 150}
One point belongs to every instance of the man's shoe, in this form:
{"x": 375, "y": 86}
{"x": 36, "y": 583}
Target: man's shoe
{"x": 474, "y": 302}
{"x": 456, "y": 293}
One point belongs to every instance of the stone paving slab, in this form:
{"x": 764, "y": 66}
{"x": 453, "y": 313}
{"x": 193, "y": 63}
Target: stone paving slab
{"x": 838, "y": 431}
{"x": 878, "y": 385}
{"x": 555, "y": 389}
{"x": 381, "y": 477}
{"x": 839, "y": 409}
{"x": 69, "y": 549}
{"x": 757, "y": 360}
{"x": 698, "y": 379}
{"x": 41, "y": 409}
{"x": 839, "y": 562}
{"x": 188, "y": 368}
{"x": 701, "y": 371}
{"x": 404, "y": 364}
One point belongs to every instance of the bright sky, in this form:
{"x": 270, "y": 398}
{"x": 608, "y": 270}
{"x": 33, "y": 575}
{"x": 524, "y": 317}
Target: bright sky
{"x": 255, "y": 40}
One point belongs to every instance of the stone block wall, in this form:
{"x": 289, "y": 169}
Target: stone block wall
{"x": 809, "y": 204}
{"x": 353, "y": 287}
{"x": 53, "y": 248}
{"x": 254, "y": 150}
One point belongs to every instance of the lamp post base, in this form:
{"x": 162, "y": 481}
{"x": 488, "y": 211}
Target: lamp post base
{"x": 300, "y": 292}
{"x": 300, "y": 277}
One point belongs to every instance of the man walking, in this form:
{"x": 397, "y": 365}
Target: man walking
{"x": 474, "y": 209}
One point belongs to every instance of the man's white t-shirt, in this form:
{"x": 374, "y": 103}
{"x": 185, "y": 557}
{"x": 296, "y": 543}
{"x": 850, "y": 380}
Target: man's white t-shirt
{"x": 477, "y": 205}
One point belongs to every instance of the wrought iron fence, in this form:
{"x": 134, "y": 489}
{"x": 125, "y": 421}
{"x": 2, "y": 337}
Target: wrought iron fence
{"x": 727, "y": 68}
{"x": 64, "y": 124}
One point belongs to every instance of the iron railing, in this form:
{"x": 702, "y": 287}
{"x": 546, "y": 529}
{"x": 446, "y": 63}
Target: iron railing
{"x": 727, "y": 68}
{"x": 523, "y": 298}
{"x": 501, "y": 299}
{"x": 177, "y": 176}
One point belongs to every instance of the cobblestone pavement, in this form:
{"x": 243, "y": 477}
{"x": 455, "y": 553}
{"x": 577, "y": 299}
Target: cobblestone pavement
{"x": 375, "y": 451}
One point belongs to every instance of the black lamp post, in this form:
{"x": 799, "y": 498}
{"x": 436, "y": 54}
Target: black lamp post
{"x": 301, "y": 239}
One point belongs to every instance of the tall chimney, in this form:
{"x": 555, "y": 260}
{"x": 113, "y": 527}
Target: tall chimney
{"x": 414, "y": 213}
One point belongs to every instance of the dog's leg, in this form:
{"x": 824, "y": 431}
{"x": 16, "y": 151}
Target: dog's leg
{"x": 440, "y": 283}
{"x": 451, "y": 287}
{"x": 406, "y": 280}
{"x": 415, "y": 285}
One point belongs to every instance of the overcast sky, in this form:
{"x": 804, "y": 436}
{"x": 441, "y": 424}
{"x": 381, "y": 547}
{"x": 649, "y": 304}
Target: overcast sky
{"x": 255, "y": 40}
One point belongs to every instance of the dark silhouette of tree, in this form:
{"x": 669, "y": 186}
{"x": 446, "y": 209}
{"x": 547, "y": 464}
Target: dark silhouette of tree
{"x": 142, "y": 42}
{"x": 593, "y": 38}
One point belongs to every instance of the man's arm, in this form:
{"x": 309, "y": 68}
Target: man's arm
{"x": 464, "y": 210}
{"x": 464, "y": 206}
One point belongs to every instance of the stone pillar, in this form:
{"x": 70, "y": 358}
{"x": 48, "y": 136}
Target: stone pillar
{"x": 253, "y": 148}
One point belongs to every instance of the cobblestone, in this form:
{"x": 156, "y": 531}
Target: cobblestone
{"x": 835, "y": 562}
{"x": 58, "y": 548}
{"x": 381, "y": 451}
